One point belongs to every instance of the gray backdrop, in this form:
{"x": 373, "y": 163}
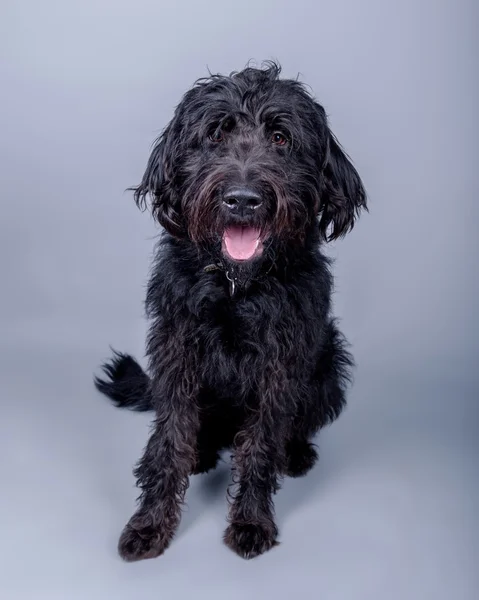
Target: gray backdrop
{"x": 391, "y": 510}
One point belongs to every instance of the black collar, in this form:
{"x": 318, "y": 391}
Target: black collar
{"x": 233, "y": 278}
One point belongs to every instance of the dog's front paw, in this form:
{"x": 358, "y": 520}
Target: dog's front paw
{"x": 251, "y": 539}
{"x": 140, "y": 542}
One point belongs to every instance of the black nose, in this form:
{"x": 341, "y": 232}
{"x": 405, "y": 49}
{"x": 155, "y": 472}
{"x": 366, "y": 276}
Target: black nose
{"x": 241, "y": 200}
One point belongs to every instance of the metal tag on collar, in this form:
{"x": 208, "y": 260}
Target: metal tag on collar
{"x": 232, "y": 281}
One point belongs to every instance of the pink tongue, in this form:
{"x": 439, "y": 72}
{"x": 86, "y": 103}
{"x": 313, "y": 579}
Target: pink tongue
{"x": 241, "y": 242}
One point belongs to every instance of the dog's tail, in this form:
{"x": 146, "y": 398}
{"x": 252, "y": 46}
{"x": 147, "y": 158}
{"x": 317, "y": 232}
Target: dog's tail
{"x": 125, "y": 383}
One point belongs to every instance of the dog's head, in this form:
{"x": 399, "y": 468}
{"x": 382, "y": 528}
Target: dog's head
{"x": 249, "y": 162}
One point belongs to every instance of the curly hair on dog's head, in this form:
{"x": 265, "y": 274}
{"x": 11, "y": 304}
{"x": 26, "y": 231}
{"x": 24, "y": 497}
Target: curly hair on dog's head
{"x": 256, "y": 129}
{"x": 247, "y": 181}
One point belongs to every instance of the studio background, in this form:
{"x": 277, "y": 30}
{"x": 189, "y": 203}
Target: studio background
{"x": 391, "y": 509}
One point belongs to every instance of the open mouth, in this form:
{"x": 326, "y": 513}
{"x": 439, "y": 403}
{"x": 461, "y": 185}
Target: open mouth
{"x": 242, "y": 243}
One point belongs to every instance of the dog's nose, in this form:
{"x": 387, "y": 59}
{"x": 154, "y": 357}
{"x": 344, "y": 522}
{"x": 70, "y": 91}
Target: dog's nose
{"x": 241, "y": 200}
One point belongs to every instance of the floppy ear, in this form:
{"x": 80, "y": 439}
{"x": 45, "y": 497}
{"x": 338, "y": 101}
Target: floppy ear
{"x": 343, "y": 194}
{"x": 157, "y": 184}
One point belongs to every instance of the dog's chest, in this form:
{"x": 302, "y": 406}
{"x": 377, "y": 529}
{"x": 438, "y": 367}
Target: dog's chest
{"x": 238, "y": 329}
{"x": 241, "y": 340}
{"x": 234, "y": 350}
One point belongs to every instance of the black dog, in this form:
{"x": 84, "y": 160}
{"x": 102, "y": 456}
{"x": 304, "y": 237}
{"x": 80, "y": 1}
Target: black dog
{"x": 247, "y": 180}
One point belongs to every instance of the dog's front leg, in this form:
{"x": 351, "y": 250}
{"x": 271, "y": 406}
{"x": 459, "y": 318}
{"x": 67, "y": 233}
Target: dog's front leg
{"x": 258, "y": 462}
{"x": 169, "y": 458}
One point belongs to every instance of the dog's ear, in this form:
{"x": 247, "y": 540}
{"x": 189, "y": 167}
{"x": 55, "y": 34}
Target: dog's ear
{"x": 157, "y": 185}
{"x": 343, "y": 194}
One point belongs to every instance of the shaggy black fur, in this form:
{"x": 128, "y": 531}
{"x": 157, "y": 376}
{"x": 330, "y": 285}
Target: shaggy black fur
{"x": 243, "y": 352}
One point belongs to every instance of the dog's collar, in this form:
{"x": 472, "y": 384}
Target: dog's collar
{"x": 229, "y": 276}
{"x": 234, "y": 281}
{"x": 213, "y": 267}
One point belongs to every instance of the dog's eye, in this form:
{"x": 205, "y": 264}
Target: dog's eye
{"x": 217, "y": 136}
{"x": 279, "y": 139}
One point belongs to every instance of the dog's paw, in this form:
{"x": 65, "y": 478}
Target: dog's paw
{"x": 300, "y": 458}
{"x": 249, "y": 540}
{"x": 138, "y": 543}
